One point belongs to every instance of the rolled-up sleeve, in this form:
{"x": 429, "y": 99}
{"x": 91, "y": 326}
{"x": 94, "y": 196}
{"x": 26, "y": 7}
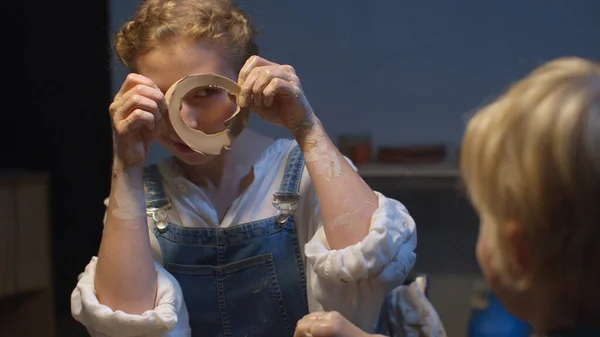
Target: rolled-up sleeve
{"x": 355, "y": 280}
{"x": 169, "y": 318}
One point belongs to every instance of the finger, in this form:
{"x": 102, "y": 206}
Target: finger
{"x": 333, "y": 324}
{"x": 138, "y": 119}
{"x": 151, "y": 92}
{"x": 290, "y": 74}
{"x": 137, "y": 102}
{"x": 261, "y": 82}
{"x": 140, "y": 96}
{"x": 252, "y": 62}
{"x": 279, "y": 86}
{"x": 265, "y": 78}
{"x": 324, "y": 329}
{"x": 245, "y": 97}
{"x": 132, "y": 80}
{"x": 303, "y": 328}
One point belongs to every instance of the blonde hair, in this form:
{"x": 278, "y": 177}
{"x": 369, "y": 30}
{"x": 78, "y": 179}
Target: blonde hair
{"x": 531, "y": 157}
{"x": 157, "y": 21}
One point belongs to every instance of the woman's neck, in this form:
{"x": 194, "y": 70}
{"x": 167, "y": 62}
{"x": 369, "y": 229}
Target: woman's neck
{"x": 237, "y": 161}
{"x": 210, "y": 173}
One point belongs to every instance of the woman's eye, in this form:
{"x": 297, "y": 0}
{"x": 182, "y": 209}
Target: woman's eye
{"x": 204, "y": 92}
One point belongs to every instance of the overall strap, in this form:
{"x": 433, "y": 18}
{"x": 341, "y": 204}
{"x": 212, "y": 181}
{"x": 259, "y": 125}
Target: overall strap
{"x": 156, "y": 201}
{"x": 288, "y": 197}
{"x": 153, "y": 189}
{"x": 292, "y": 175}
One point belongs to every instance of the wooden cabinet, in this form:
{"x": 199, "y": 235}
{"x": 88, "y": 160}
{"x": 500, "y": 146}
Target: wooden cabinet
{"x": 26, "y": 296}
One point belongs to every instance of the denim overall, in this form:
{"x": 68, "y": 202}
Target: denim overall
{"x": 245, "y": 280}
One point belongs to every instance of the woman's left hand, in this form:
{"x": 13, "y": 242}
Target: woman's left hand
{"x": 274, "y": 92}
{"x": 327, "y": 324}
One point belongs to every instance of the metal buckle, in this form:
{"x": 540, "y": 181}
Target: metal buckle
{"x": 285, "y": 204}
{"x": 159, "y": 216}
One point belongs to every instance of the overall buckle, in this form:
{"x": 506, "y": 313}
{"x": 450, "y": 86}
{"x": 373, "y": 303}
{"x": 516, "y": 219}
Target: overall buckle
{"x": 159, "y": 216}
{"x": 286, "y": 204}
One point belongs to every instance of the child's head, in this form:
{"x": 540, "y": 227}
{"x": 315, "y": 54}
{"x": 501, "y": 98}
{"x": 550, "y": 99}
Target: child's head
{"x": 531, "y": 165}
{"x": 166, "y": 40}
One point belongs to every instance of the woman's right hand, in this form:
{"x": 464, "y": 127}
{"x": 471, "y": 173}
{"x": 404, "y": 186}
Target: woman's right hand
{"x": 135, "y": 113}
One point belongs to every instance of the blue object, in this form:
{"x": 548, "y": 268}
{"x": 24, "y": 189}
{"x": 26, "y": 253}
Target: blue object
{"x": 244, "y": 280}
{"x": 495, "y": 321}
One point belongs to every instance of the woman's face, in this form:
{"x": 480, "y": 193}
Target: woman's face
{"x": 204, "y": 109}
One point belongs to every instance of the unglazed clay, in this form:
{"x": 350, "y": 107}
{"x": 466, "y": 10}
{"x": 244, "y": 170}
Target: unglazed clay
{"x": 197, "y": 140}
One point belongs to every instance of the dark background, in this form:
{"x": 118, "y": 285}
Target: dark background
{"x": 58, "y": 91}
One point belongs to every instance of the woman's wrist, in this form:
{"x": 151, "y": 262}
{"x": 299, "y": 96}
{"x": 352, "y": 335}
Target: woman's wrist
{"x": 132, "y": 170}
{"x": 307, "y": 128}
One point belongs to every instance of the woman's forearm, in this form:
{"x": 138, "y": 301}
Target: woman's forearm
{"x": 125, "y": 275}
{"x": 347, "y": 202}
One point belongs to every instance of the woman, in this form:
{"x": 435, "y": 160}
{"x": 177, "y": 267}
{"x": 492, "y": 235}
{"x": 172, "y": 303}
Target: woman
{"x": 228, "y": 259}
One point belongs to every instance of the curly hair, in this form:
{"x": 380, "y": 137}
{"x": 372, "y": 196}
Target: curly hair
{"x": 157, "y": 21}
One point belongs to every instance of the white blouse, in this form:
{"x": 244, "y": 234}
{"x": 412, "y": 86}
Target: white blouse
{"x": 352, "y": 281}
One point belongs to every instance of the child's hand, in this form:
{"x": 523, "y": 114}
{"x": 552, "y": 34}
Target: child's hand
{"x": 327, "y": 324}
